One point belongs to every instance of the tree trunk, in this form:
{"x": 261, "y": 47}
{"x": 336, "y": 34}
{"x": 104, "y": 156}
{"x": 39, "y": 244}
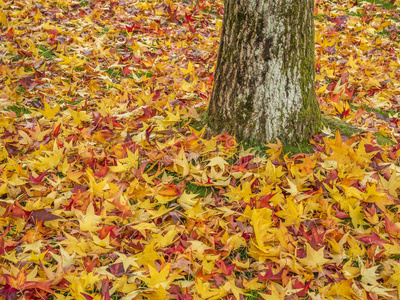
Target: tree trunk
{"x": 264, "y": 80}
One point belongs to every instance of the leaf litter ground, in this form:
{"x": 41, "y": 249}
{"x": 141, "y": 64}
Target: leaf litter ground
{"x": 110, "y": 189}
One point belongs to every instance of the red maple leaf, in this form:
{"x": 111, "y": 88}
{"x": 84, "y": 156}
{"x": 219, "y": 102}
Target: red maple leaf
{"x": 9, "y": 293}
{"x": 126, "y": 71}
{"x": 226, "y": 268}
{"x": 303, "y": 287}
{"x": 371, "y": 239}
{"x": 269, "y": 275}
{"x": 105, "y": 289}
{"x": 391, "y": 228}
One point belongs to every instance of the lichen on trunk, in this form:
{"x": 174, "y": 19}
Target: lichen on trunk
{"x": 264, "y": 80}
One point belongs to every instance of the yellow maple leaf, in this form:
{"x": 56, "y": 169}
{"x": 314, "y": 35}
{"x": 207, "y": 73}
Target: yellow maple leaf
{"x": 189, "y": 70}
{"x": 354, "y": 249}
{"x": 3, "y": 153}
{"x": 18, "y": 281}
{"x": 187, "y": 201}
{"x": 392, "y": 184}
{"x": 78, "y": 117}
{"x": 74, "y": 176}
{"x": 36, "y": 259}
{"x": 166, "y": 239}
{"x": 3, "y": 189}
{"x": 261, "y": 219}
{"x": 275, "y": 149}
{"x": 127, "y": 261}
{"x": 125, "y": 164}
{"x": 349, "y": 271}
{"x": 369, "y": 277}
{"x": 322, "y": 89}
{"x": 207, "y": 292}
{"x": 396, "y": 276}
{"x": 352, "y": 62}
{"x": 314, "y": 259}
{"x": 233, "y": 288}
{"x": 218, "y": 161}
{"x": 3, "y": 18}
{"x": 240, "y": 193}
{"x": 71, "y": 60}
{"x": 292, "y": 213}
{"x": 48, "y": 112}
{"x": 96, "y": 188}
{"x": 80, "y": 284}
{"x": 66, "y": 258}
{"x": 187, "y": 87}
{"x": 199, "y": 247}
{"x": 275, "y": 294}
{"x": 149, "y": 255}
{"x": 104, "y": 243}
{"x": 357, "y": 216}
{"x": 15, "y": 180}
{"x": 171, "y": 118}
{"x": 155, "y": 213}
{"x": 119, "y": 168}
{"x": 56, "y": 276}
{"x": 181, "y": 165}
{"x": 88, "y": 221}
{"x": 73, "y": 245}
{"x": 159, "y": 294}
{"x": 252, "y": 284}
{"x": 377, "y": 197}
{"x": 343, "y": 288}
{"x": 158, "y": 278}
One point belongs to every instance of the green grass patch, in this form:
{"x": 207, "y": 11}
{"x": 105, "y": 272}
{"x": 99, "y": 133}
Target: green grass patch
{"x": 144, "y": 73}
{"x": 384, "y": 4}
{"x": 303, "y": 147}
{"x": 103, "y": 31}
{"x": 176, "y": 177}
{"x": 243, "y": 253}
{"x": 200, "y": 124}
{"x": 386, "y": 113}
{"x": 20, "y": 90}
{"x": 62, "y": 6}
{"x": 383, "y": 33}
{"x": 77, "y": 101}
{"x": 320, "y": 18}
{"x": 380, "y": 3}
{"x": 84, "y": 3}
{"x": 16, "y": 58}
{"x": 202, "y": 191}
{"x": 348, "y": 130}
{"x": 47, "y": 53}
{"x": 115, "y": 73}
{"x": 290, "y": 149}
{"x": 116, "y": 297}
{"x": 74, "y": 102}
{"x": 382, "y": 140}
{"x": 79, "y": 69}
{"x": 252, "y": 295}
{"x": 336, "y": 124}
{"x": 19, "y": 110}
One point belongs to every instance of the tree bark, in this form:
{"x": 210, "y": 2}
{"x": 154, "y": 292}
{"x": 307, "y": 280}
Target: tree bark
{"x": 264, "y": 80}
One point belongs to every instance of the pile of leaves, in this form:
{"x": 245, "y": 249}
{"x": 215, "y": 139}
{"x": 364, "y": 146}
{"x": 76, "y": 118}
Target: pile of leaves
{"x": 110, "y": 187}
